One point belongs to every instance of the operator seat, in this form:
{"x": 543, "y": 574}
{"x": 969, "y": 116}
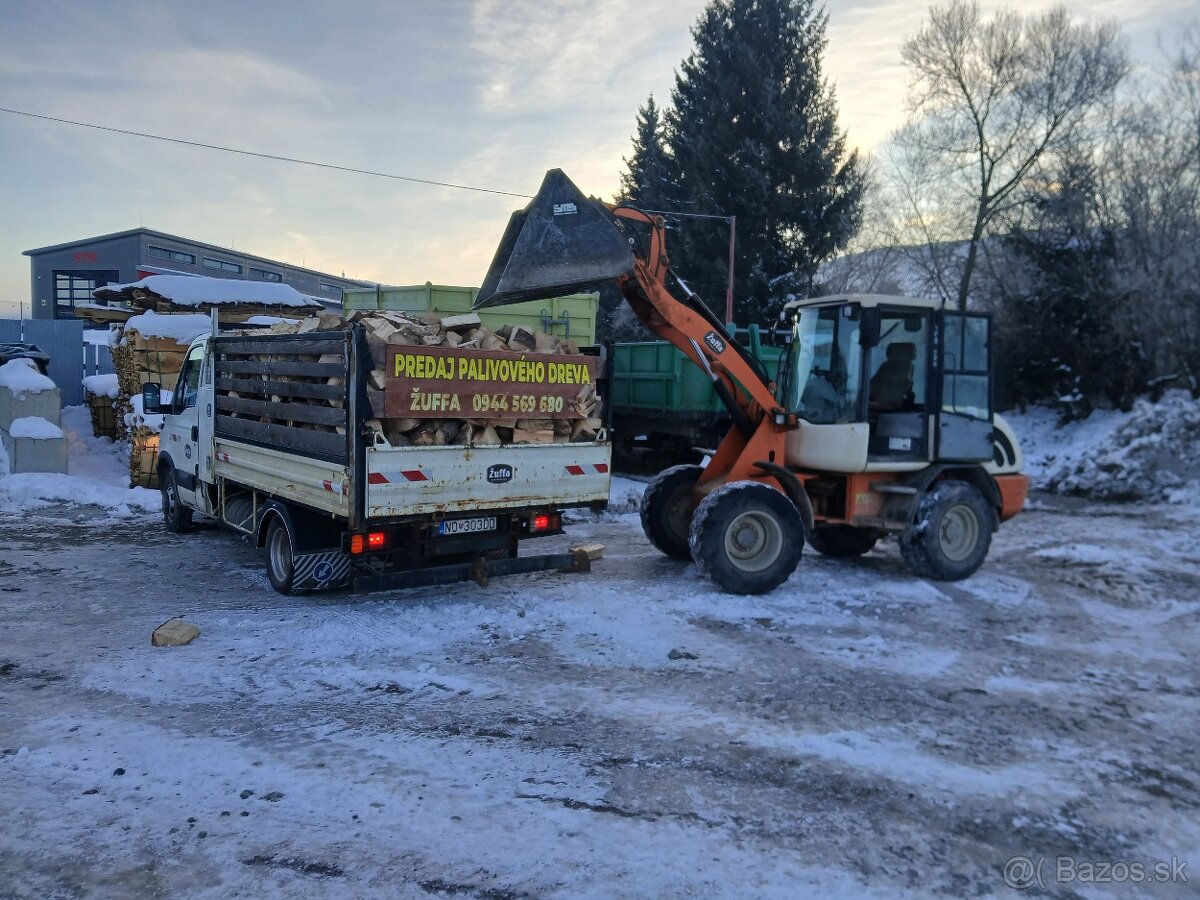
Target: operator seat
{"x": 892, "y": 384}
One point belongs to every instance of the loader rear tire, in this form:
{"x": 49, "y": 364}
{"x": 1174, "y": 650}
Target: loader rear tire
{"x": 841, "y": 541}
{"x": 281, "y": 562}
{"x": 951, "y": 533}
{"x": 747, "y": 537}
{"x": 667, "y": 510}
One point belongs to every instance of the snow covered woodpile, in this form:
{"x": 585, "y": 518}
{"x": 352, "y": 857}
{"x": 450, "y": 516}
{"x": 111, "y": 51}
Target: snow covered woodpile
{"x": 100, "y": 394}
{"x": 235, "y": 299}
{"x": 387, "y": 331}
{"x": 30, "y": 412}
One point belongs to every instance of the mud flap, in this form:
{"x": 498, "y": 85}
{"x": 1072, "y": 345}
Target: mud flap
{"x": 320, "y": 571}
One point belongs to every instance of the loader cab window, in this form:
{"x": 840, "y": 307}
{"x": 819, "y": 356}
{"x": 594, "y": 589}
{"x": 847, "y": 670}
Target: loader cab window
{"x": 898, "y": 387}
{"x": 823, "y": 385}
{"x": 897, "y": 365}
{"x": 189, "y": 381}
{"x": 966, "y": 388}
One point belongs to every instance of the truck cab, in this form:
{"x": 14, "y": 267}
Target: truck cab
{"x": 186, "y": 432}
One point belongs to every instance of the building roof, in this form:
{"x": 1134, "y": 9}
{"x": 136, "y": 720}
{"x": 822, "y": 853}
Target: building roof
{"x": 183, "y": 240}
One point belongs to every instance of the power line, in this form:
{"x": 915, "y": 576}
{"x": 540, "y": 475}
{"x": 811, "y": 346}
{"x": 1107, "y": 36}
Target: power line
{"x": 289, "y": 159}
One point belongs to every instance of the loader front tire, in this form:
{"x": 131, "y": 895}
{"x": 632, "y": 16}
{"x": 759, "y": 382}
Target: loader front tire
{"x": 281, "y": 563}
{"x": 667, "y": 510}
{"x": 747, "y": 537}
{"x": 951, "y": 533}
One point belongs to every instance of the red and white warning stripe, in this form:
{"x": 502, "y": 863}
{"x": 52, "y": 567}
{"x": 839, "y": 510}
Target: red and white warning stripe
{"x": 396, "y": 477}
{"x": 602, "y": 468}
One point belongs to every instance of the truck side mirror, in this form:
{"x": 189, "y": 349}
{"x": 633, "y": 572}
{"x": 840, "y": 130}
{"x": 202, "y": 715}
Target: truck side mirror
{"x": 152, "y": 398}
{"x": 868, "y": 326}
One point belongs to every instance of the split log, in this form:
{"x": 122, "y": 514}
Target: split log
{"x": 465, "y": 322}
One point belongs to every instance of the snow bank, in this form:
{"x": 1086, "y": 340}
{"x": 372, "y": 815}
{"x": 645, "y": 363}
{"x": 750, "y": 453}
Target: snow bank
{"x": 21, "y": 376}
{"x": 34, "y": 427}
{"x": 182, "y": 328}
{"x": 101, "y": 385}
{"x": 1150, "y": 453}
{"x": 99, "y": 475}
{"x": 189, "y": 290}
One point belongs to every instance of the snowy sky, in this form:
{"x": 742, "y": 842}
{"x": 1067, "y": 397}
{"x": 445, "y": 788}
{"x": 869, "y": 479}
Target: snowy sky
{"x": 483, "y": 92}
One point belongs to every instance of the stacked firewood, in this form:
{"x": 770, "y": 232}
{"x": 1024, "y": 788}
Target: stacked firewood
{"x": 138, "y": 360}
{"x": 387, "y": 330}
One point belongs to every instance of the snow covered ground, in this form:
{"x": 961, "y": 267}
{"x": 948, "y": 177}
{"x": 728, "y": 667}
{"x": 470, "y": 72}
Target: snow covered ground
{"x": 628, "y": 733}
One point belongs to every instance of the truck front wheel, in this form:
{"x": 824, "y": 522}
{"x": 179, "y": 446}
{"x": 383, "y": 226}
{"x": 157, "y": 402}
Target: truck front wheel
{"x": 281, "y": 568}
{"x": 667, "y": 510}
{"x": 747, "y": 537}
{"x": 176, "y": 517}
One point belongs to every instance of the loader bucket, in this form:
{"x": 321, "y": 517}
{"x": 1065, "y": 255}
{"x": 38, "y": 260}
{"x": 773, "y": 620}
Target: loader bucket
{"x": 561, "y": 243}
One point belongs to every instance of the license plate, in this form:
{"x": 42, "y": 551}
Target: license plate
{"x": 466, "y": 526}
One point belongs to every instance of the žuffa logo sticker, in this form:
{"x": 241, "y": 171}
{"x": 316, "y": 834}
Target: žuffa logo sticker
{"x": 714, "y": 342}
{"x": 499, "y": 473}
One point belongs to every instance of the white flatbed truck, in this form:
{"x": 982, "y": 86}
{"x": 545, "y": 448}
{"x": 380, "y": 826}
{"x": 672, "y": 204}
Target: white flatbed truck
{"x": 337, "y": 506}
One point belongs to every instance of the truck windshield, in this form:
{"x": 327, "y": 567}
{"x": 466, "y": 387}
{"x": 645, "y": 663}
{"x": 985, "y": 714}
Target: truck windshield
{"x": 823, "y": 384}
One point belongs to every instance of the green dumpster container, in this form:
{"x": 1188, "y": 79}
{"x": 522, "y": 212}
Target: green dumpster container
{"x": 654, "y": 375}
{"x": 572, "y": 317}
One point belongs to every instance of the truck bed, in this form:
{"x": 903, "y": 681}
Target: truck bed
{"x": 262, "y": 440}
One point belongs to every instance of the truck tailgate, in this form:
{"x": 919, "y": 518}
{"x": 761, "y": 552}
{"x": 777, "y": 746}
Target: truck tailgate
{"x": 418, "y": 480}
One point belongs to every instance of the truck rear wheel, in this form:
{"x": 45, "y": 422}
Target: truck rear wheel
{"x": 667, "y": 510}
{"x": 841, "y": 541}
{"x": 951, "y": 535}
{"x": 176, "y": 517}
{"x": 747, "y": 537}
{"x": 281, "y": 565}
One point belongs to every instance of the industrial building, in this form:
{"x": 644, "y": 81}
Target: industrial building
{"x": 64, "y": 275}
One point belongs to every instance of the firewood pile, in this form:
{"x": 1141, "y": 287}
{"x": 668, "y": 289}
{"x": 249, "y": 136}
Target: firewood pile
{"x": 104, "y": 416}
{"x": 388, "y": 330}
{"x": 137, "y": 360}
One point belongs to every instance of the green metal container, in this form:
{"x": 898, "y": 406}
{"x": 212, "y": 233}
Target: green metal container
{"x": 654, "y": 375}
{"x": 572, "y": 317}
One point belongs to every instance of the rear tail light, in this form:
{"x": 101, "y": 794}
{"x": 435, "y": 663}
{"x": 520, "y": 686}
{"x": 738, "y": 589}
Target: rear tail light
{"x": 360, "y": 543}
{"x": 545, "y": 522}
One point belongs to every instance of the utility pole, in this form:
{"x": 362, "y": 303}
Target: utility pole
{"x": 729, "y": 285}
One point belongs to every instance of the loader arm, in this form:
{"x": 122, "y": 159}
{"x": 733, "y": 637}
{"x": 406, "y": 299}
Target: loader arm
{"x": 564, "y": 241}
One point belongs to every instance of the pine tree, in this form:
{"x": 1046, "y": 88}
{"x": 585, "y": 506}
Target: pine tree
{"x": 647, "y": 180}
{"x": 753, "y": 133}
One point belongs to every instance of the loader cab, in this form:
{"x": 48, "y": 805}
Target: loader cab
{"x": 886, "y": 383}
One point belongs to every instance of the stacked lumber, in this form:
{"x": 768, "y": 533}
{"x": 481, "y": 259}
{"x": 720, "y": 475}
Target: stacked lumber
{"x": 388, "y": 330}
